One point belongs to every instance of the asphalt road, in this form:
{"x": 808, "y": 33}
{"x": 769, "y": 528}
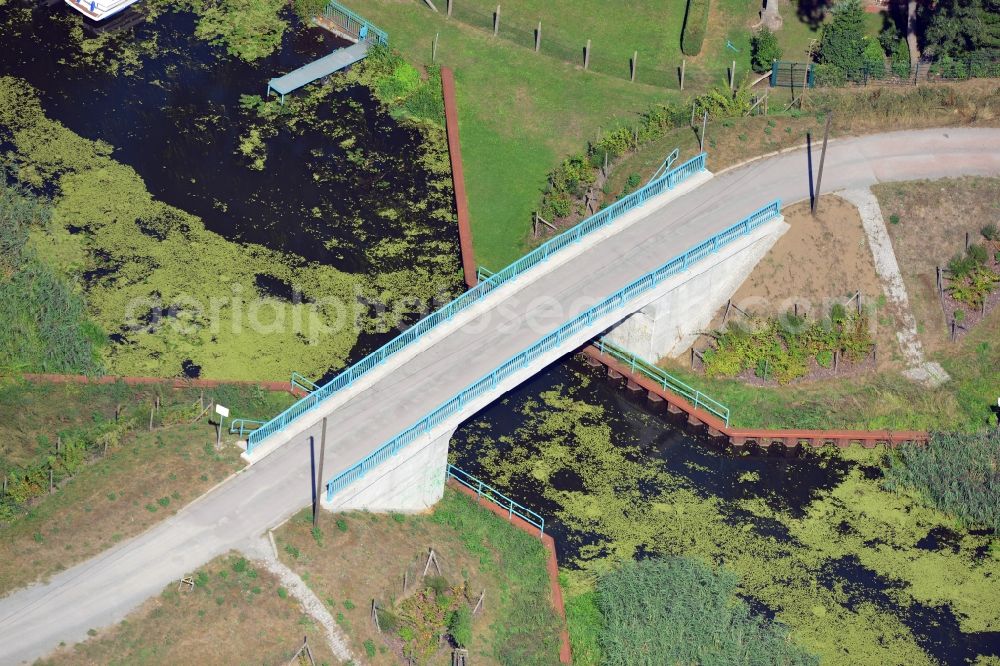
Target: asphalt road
{"x": 103, "y": 590}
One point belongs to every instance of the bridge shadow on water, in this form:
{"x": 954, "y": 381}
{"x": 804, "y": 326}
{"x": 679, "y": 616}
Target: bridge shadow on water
{"x": 787, "y": 481}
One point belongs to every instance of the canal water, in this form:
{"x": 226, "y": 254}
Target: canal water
{"x": 342, "y": 184}
{"x": 614, "y": 478}
{"x": 618, "y": 477}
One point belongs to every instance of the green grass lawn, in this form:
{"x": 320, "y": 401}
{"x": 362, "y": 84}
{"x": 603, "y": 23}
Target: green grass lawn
{"x": 521, "y": 112}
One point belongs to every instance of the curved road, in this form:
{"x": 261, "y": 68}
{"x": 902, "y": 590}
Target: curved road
{"x": 103, "y": 590}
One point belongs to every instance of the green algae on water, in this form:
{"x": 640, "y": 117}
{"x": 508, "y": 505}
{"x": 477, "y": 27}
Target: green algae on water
{"x": 796, "y": 563}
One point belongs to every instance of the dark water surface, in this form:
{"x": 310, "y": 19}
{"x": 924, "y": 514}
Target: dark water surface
{"x": 787, "y": 480}
{"x": 177, "y": 121}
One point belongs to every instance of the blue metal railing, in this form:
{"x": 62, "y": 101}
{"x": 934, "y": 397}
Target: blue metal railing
{"x": 550, "y": 342}
{"x": 302, "y": 382}
{"x": 353, "y": 24}
{"x": 243, "y": 426}
{"x": 491, "y": 494}
{"x": 666, "y": 380}
{"x": 540, "y": 254}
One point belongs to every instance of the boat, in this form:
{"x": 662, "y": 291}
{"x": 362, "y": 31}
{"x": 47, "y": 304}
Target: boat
{"x": 98, "y": 10}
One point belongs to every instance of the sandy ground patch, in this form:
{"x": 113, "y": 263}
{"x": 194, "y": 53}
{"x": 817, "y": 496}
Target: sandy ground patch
{"x": 819, "y": 261}
{"x": 927, "y": 222}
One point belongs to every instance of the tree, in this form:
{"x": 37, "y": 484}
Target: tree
{"x": 764, "y": 49}
{"x": 843, "y": 42}
{"x": 956, "y": 27}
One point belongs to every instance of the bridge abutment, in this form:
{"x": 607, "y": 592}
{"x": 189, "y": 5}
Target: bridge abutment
{"x": 670, "y": 324}
{"x": 409, "y": 482}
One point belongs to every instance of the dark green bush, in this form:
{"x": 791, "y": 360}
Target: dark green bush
{"x": 956, "y": 473}
{"x": 990, "y": 232}
{"x": 695, "y": 26}
{"x": 828, "y": 75}
{"x": 460, "y": 626}
{"x": 843, "y": 41}
{"x": 764, "y": 50}
{"x": 874, "y": 58}
{"x": 685, "y": 612}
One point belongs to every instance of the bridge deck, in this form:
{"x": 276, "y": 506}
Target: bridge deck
{"x": 317, "y": 69}
{"x": 103, "y": 590}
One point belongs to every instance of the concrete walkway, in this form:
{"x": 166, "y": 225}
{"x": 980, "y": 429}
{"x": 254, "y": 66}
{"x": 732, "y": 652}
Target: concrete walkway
{"x": 103, "y": 590}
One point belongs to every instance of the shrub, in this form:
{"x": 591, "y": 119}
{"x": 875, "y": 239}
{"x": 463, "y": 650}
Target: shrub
{"x": 843, "y": 42}
{"x": 764, "y": 50}
{"x": 282, "y": 593}
{"x": 341, "y": 524}
{"x": 894, "y": 219}
{"x": 874, "y": 58}
{"x": 990, "y": 232}
{"x": 685, "y": 612}
{"x": 439, "y": 584}
{"x": 695, "y": 25}
{"x": 956, "y": 473}
{"x": 460, "y": 626}
{"x": 901, "y": 59}
{"x": 240, "y": 565}
{"x": 977, "y": 253}
{"x": 369, "y": 648}
{"x": 828, "y": 75}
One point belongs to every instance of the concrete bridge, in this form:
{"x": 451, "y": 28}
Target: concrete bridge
{"x": 391, "y": 419}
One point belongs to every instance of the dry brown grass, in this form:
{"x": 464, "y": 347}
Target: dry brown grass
{"x": 231, "y": 617}
{"x": 368, "y": 561}
{"x": 933, "y": 219}
{"x": 363, "y": 556}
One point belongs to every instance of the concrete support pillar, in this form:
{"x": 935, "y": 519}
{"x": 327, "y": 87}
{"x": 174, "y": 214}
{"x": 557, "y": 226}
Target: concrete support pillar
{"x": 409, "y": 482}
{"x": 669, "y": 325}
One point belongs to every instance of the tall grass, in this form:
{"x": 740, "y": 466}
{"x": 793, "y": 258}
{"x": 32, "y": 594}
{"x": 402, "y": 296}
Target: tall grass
{"x": 681, "y": 611}
{"x": 527, "y": 630}
{"x": 956, "y": 473}
{"x": 43, "y": 321}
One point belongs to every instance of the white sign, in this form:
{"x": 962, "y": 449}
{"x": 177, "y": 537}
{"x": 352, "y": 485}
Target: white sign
{"x": 222, "y": 411}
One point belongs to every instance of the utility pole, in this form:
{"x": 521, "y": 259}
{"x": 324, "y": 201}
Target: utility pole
{"x": 318, "y": 488}
{"x": 704, "y": 126}
{"x": 809, "y": 166}
{"x": 822, "y": 158}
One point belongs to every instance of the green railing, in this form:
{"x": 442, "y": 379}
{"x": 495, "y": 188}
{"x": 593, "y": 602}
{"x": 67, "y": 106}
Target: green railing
{"x": 244, "y": 426}
{"x": 355, "y": 25}
{"x": 666, "y": 380}
{"x": 491, "y": 494}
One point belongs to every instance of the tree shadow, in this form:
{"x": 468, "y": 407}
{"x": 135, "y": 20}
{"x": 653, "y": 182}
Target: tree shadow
{"x": 812, "y": 12}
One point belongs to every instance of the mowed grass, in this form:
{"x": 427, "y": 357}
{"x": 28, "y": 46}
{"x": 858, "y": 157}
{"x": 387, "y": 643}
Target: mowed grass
{"x": 145, "y": 478}
{"x": 519, "y": 113}
{"x": 236, "y": 614}
{"x": 356, "y": 557}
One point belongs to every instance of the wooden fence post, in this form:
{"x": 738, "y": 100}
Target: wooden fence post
{"x": 496, "y": 21}
{"x": 538, "y": 37}
{"x": 683, "y": 66}
{"x": 732, "y": 75}
{"x": 635, "y": 58}
{"x": 434, "y": 49}
{"x": 449, "y": 8}
{"x": 586, "y": 56}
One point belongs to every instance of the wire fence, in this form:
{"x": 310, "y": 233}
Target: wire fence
{"x": 523, "y": 32}
{"x": 945, "y": 68}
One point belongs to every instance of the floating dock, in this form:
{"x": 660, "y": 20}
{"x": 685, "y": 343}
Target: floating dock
{"x": 317, "y": 69}
{"x": 344, "y": 23}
